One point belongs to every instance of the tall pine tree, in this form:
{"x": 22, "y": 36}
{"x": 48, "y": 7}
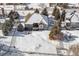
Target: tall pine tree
{"x": 56, "y": 13}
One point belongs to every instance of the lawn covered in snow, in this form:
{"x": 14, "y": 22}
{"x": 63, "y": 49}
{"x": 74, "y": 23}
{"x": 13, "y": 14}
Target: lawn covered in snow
{"x": 38, "y": 41}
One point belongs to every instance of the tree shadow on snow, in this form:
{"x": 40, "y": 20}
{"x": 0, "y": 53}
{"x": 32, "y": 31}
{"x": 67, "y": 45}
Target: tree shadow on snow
{"x": 20, "y": 34}
{"x": 16, "y": 33}
{"x": 3, "y": 37}
{"x": 5, "y": 51}
{"x": 69, "y": 39}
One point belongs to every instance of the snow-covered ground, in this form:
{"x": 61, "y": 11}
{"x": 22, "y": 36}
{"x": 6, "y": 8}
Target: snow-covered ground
{"x": 31, "y": 43}
{"x": 38, "y": 42}
{"x": 35, "y": 42}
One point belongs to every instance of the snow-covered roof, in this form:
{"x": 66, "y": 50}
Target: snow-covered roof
{"x": 37, "y": 18}
{"x": 75, "y": 18}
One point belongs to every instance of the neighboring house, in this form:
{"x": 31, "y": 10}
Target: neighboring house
{"x": 37, "y": 5}
{"x": 20, "y": 7}
{"x": 33, "y": 6}
{"x": 73, "y": 5}
{"x": 74, "y": 20}
{"x": 38, "y": 20}
{"x": 44, "y": 5}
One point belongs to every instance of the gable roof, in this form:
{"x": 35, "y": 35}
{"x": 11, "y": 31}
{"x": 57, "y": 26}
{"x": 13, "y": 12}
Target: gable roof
{"x": 75, "y": 18}
{"x": 37, "y": 18}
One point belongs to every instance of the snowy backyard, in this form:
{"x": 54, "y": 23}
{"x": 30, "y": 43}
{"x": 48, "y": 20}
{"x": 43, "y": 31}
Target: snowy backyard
{"x": 37, "y": 43}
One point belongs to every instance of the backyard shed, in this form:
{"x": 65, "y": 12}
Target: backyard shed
{"x": 37, "y": 18}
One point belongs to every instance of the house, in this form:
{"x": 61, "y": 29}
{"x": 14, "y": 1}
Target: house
{"x": 33, "y": 6}
{"x": 37, "y": 5}
{"x": 74, "y": 17}
{"x": 37, "y": 20}
{"x": 74, "y": 21}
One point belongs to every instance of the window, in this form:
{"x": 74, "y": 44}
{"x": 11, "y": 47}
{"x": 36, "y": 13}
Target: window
{"x": 35, "y": 25}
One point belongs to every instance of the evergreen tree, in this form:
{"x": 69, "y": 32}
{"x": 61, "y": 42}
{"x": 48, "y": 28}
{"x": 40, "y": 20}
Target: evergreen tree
{"x": 56, "y": 13}
{"x": 4, "y": 29}
{"x": 44, "y": 12}
{"x": 13, "y": 14}
{"x": 55, "y": 30}
{"x": 16, "y": 15}
{"x": 63, "y": 15}
{"x": 54, "y": 10}
{"x": 7, "y": 26}
{"x": 36, "y": 11}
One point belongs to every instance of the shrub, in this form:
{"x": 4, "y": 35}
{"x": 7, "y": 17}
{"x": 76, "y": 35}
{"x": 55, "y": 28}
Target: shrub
{"x": 7, "y": 26}
{"x": 20, "y": 28}
{"x": 5, "y": 29}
